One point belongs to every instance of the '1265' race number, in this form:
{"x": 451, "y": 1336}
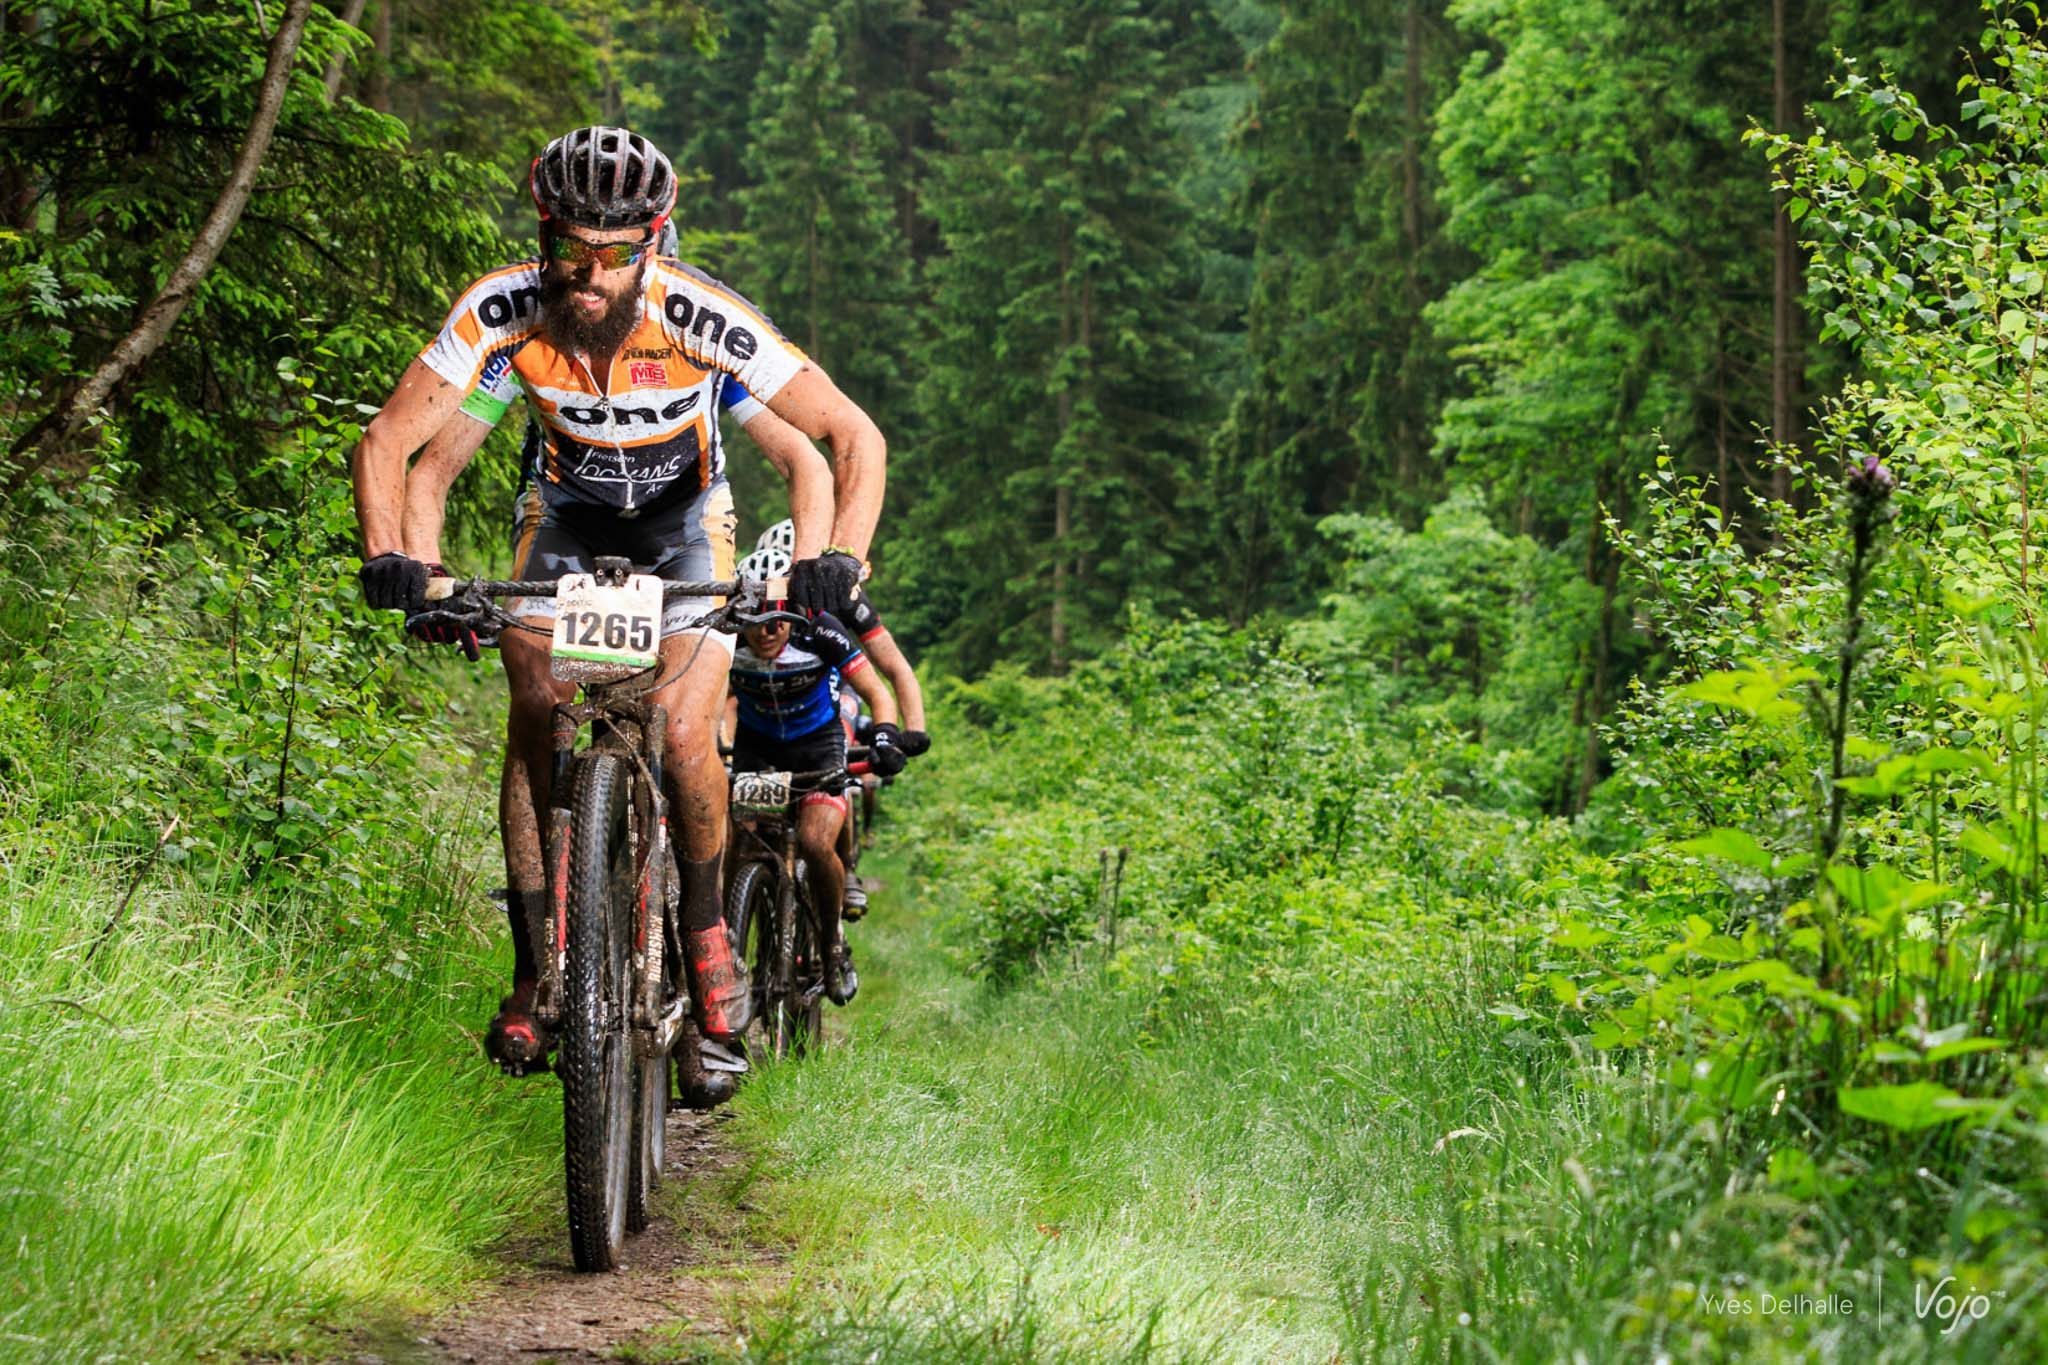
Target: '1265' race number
{"x": 604, "y": 631}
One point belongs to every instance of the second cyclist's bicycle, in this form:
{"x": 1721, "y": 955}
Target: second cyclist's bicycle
{"x": 770, "y": 909}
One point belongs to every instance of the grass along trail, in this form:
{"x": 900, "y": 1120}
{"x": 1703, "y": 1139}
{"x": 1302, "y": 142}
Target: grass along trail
{"x": 1057, "y": 1173}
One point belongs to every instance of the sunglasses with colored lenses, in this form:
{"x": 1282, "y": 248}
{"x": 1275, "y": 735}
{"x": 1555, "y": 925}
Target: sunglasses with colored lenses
{"x": 574, "y": 251}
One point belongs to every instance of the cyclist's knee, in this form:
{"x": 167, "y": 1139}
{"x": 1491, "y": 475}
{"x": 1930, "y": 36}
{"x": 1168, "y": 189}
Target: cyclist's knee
{"x": 817, "y": 832}
{"x": 693, "y": 747}
{"x": 820, "y": 853}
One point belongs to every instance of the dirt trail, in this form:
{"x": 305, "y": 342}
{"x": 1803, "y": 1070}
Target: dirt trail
{"x": 666, "y": 1296}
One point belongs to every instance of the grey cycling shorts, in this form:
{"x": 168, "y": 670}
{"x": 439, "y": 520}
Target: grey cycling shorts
{"x": 689, "y": 540}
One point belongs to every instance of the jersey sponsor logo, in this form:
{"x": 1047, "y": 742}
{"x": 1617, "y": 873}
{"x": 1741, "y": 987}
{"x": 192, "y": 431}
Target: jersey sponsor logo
{"x": 710, "y": 326}
{"x": 499, "y": 310}
{"x": 494, "y": 369}
{"x": 647, "y": 372}
{"x": 648, "y": 353}
{"x": 626, "y": 416}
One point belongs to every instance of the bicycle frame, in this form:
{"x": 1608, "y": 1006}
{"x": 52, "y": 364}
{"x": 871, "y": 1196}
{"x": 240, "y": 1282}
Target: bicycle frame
{"x": 623, "y": 722}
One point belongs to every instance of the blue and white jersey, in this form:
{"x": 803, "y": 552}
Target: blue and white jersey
{"x": 797, "y": 692}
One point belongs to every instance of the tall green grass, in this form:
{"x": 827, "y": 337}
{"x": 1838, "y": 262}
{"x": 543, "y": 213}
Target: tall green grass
{"x": 1356, "y": 1163}
{"x": 222, "y": 1130}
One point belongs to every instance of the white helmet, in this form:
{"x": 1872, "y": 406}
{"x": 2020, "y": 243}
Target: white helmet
{"x": 781, "y": 536}
{"x": 766, "y": 562}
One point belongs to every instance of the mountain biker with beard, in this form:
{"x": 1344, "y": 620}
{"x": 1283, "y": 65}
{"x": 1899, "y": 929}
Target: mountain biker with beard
{"x": 620, "y": 355}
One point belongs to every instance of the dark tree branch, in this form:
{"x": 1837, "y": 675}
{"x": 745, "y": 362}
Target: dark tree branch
{"x": 163, "y": 312}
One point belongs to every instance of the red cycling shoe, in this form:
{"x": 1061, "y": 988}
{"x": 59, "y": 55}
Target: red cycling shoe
{"x": 515, "y": 1039}
{"x": 718, "y": 983}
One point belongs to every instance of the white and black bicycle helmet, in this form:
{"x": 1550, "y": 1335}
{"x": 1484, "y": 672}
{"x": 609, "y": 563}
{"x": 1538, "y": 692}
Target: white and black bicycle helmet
{"x": 771, "y": 558}
{"x": 603, "y": 178}
{"x": 781, "y": 536}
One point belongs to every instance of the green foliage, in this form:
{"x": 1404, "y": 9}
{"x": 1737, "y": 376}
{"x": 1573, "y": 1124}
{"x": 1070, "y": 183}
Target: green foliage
{"x": 1341, "y": 202}
{"x": 1477, "y": 630}
{"x": 130, "y": 116}
{"x": 238, "y": 689}
{"x": 826, "y": 253}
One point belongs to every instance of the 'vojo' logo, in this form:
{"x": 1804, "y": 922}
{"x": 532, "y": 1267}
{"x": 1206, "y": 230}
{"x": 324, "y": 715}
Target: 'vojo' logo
{"x": 1946, "y": 1308}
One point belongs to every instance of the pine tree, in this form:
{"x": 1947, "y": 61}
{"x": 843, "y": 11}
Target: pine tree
{"x": 827, "y": 258}
{"x": 1345, "y": 379}
{"x": 1060, "y": 392}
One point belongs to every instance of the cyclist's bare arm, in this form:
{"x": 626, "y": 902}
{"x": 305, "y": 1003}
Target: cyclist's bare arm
{"x": 889, "y": 661}
{"x": 808, "y": 476}
{"x": 813, "y": 404}
{"x": 432, "y": 474}
{"x": 420, "y": 406}
{"x": 869, "y": 685}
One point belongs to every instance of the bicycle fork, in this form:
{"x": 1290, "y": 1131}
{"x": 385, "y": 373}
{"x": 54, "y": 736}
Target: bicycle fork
{"x": 657, "y": 887}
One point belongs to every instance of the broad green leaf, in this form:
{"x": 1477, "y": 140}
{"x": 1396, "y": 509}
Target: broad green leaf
{"x": 1909, "y": 1107}
{"x": 1731, "y": 844}
{"x": 1964, "y": 1047}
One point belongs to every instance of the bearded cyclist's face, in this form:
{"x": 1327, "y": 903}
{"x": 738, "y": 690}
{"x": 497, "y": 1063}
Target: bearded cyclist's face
{"x": 586, "y": 306}
{"x": 766, "y": 640}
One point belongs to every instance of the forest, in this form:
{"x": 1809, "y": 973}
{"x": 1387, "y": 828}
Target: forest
{"x": 1473, "y": 564}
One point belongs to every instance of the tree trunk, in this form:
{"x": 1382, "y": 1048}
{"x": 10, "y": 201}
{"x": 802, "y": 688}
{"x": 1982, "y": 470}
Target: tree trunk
{"x": 352, "y": 15}
{"x": 1603, "y": 663}
{"x": 1063, "y": 494}
{"x": 377, "y": 89}
{"x": 1721, "y": 419}
{"x": 1786, "y": 361}
{"x": 163, "y": 311}
{"x": 17, "y": 190}
{"x": 1412, "y": 138}
{"x": 817, "y": 279}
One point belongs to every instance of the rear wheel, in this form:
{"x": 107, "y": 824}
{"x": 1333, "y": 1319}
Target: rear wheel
{"x": 650, "y": 1139}
{"x": 597, "y": 1063}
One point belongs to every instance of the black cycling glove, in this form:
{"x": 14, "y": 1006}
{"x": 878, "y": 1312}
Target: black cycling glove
{"x": 915, "y": 742}
{"x": 393, "y": 581}
{"x": 823, "y": 584}
{"x": 420, "y": 627}
{"x": 885, "y": 750}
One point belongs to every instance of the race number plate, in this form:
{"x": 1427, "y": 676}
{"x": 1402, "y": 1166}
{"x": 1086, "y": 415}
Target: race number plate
{"x": 602, "y": 633}
{"x": 761, "y": 791}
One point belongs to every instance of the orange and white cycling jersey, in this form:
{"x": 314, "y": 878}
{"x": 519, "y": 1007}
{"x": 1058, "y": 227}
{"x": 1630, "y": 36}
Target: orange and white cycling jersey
{"x": 647, "y": 429}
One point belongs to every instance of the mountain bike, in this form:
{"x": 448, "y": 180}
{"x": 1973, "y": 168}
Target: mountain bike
{"x": 611, "y": 989}
{"x": 768, "y": 903}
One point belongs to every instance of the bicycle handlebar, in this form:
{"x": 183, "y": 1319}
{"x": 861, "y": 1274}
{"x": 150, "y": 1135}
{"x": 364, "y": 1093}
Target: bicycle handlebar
{"x": 443, "y": 589}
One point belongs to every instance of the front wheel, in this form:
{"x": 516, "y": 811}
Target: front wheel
{"x": 597, "y": 1063}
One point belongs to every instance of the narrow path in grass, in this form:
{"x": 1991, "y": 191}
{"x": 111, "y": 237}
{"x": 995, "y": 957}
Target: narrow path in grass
{"x": 669, "y": 1300}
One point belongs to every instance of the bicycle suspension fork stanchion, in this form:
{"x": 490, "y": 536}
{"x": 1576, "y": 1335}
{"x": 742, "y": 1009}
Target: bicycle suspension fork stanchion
{"x": 568, "y": 720}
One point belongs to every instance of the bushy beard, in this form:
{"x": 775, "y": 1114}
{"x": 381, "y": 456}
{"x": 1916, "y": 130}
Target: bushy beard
{"x": 568, "y": 331}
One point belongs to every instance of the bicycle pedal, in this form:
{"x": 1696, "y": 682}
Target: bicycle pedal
{"x": 717, "y": 1057}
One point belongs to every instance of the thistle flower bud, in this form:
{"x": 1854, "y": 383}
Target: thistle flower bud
{"x": 1870, "y": 480}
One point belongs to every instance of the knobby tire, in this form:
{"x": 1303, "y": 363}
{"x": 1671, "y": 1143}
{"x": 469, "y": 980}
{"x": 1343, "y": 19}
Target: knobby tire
{"x": 596, "y": 1060}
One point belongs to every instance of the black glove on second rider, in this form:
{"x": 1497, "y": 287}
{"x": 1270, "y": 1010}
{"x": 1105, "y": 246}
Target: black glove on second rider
{"x": 915, "y": 742}
{"x": 393, "y": 581}
{"x": 823, "y": 584}
{"x": 885, "y": 750}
